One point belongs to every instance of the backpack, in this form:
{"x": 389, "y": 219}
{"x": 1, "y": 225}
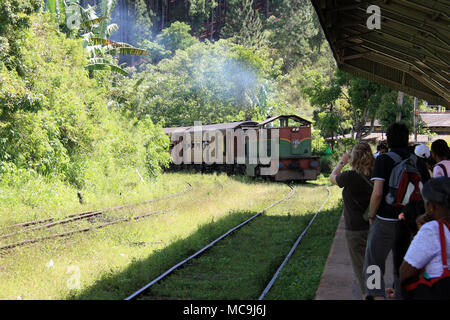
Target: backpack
{"x": 405, "y": 181}
{"x": 420, "y": 288}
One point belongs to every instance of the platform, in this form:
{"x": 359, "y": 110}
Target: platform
{"x": 338, "y": 281}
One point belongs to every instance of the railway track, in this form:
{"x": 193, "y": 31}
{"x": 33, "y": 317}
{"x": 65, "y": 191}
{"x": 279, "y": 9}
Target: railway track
{"x": 145, "y": 288}
{"x": 50, "y": 222}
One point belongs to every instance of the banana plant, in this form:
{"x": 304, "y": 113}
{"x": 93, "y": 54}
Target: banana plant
{"x": 95, "y": 31}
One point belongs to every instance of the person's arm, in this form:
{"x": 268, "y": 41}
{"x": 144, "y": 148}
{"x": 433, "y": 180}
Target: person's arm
{"x": 375, "y": 199}
{"x": 420, "y": 252}
{"x": 339, "y": 167}
{"x": 437, "y": 172}
{"x": 407, "y": 271}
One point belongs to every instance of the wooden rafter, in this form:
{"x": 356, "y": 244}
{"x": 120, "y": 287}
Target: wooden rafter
{"x": 414, "y": 40}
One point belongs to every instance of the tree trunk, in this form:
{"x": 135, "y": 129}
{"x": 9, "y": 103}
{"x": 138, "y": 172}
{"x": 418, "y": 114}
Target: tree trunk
{"x": 400, "y": 104}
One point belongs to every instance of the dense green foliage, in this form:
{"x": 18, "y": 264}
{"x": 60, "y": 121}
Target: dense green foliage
{"x": 202, "y": 81}
{"x": 345, "y": 104}
{"x": 59, "y": 120}
{"x": 55, "y": 121}
{"x": 287, "y": 41}
{"x": 14, "y": 18}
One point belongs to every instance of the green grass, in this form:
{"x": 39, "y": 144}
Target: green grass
{"x": 114, "y": 261}
{"x": 240, "y": 266}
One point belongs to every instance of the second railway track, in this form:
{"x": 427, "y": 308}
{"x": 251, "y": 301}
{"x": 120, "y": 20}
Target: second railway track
{"x": 24, "y": 227}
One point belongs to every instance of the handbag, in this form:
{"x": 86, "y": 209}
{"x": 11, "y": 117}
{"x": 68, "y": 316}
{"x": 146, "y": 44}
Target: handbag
{"x": 420, "y": 288}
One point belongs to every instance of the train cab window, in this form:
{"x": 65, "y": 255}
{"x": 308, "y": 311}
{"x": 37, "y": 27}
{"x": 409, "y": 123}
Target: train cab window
{"x": 294, "y": 123}
{"x": 277, "y": 123}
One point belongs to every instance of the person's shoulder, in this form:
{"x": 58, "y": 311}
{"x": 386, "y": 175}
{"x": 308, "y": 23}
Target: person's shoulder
{"x": 346, "y": 174}
{"x": 387, "y": 156}
{"x": 384, "y": 160}
{"x": 445, "y": 163}
{"x": 429, "y": 227}
{"x": 345, "y": 178}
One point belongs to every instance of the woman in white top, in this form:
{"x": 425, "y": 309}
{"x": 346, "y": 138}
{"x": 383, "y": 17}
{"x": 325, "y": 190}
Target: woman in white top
{"x": 441, "y": 153}
{"x": 425, "y": 249}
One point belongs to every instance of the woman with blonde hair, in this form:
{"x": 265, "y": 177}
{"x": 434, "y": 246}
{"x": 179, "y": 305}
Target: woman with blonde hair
{"x": 356, "y": 194}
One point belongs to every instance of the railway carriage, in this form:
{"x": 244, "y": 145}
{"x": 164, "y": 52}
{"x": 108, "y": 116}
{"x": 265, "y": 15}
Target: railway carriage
{"x": 293, "y": 135}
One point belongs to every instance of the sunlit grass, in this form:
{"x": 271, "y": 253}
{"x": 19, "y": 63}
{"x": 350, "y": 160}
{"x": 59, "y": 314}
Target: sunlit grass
{"x": 242, "y": 265}
{"x": 106, "y": 253}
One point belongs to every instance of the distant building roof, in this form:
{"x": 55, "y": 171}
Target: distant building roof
{"x": 431, "y": 119}
{"x": 436, "y": 119}
{"x": 379, "y": 136}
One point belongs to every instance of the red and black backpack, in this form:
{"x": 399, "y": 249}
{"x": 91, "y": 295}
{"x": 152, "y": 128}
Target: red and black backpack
{"x": 420, "y": 288}
{"x": 405, "y": 181}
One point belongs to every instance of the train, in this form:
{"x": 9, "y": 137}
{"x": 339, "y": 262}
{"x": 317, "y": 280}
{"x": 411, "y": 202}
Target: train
{"x": 278, "y": 148}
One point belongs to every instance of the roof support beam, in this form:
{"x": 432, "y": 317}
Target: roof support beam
{"x": 397, "y": 86}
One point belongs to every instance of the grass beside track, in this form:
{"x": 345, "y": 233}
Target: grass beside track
{"x": 111, "y": 263}
{"x": 240, "y": 266}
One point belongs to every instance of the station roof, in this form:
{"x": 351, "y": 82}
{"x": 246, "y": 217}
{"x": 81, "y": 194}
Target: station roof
{"x": 410, "y": 52}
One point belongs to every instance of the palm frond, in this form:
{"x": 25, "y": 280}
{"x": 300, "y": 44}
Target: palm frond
{"x": 106, "y": 66}
{"x": 106, "y": 8}
{"x": 127, "y": 50}
{"x": 111, "y": 29}
{"x": 92, "y": 22}
{"x": 106, "y": 42}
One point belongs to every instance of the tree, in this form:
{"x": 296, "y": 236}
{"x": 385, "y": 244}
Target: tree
{"x": 390, "y": 109}
{"x": 362, "y": 100}
{"x": 208, "y": 82}
{"x": 292, "y": 28}
{"x": 176, "y": 37}
{"x": 14, "y": 19}
{"x": 244, "y": 25}
{"x": 95, "y": 32}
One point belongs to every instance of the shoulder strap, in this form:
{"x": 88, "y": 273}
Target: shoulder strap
{"x": 394, "y": 156}
{"x": 443, "y": 169}
{"x": 443, "y": 244}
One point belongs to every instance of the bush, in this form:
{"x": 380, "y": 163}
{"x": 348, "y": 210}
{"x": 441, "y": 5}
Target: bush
{"x": 55, "y": 120}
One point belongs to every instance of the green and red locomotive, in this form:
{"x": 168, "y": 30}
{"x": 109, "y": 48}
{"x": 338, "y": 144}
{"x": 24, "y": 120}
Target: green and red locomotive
{"x": 236, "y": 147}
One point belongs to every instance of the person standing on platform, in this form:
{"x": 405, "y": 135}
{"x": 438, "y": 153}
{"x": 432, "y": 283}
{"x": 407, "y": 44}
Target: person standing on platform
{"x": 356, "y": 195}
{"x": 386, "y": 233}
{"x": 441, "y": 153}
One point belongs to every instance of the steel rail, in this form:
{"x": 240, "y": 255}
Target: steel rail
{"x": 83, "y": 215}
{"x": 68, "y": 233}
{"x": 147, "y": 286}
{"x": 272, "y": 281}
